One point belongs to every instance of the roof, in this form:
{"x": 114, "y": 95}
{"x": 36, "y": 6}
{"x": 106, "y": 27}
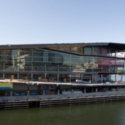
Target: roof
{"x": 119, "y": 46}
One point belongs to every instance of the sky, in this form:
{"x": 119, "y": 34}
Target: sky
{"x": 61, "y": 21}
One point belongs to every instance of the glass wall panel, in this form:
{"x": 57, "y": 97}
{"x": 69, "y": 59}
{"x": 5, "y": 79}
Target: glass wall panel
{"x": 51, "y": 77}
{"x": 120, "y": 66}
{"x": 39, "y": 77}
{"x": 95, "y": 51}
{"x": 51, "y": 68}
{"x": 64, "y": 77}
{"x": 66, "y": 64}
{"x": 107, "y": 65}
{"x": 87, "y": 51}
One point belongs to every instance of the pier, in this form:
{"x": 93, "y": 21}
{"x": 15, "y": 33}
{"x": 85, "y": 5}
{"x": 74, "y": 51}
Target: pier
{"x": 41, "y": 94}
{"x": 54, "y": 100}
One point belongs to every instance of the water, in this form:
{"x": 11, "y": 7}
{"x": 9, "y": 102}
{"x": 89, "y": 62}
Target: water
{"x": 90, "y": 114}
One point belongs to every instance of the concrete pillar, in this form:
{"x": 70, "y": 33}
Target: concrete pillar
{"x": 11, "y": 93}
{"x": 92, "y": 89}
{"x": 81, "y": 75}
{"x": 28, "y": 92}
{"x": 5, "y": 93}
{"x": 45, "y": 75}
{"x": 96, "y": 89}
{"x": 58, "y": 92}
{"x": 43, "y": 92}
{"x": 31, "y": 76}
{"x": 70, "y": 77}
{"x": 18, "y": 76}
{"x": 101, "y": 78}
{"x": 3, "y": 76}
{"x": 58, "y": 77}
{"x": 84, "y": 90}
{"x": 122, "y": 77}
{"x": 115, "y": 78}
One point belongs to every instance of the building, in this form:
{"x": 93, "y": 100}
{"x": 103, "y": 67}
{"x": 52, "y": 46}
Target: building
{"x": 91, "y": 62}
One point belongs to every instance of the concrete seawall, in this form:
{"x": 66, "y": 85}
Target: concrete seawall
{"x": 62, "y": 99}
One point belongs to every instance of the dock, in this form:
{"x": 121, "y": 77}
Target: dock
{"x": 62, "y": 99}
{"x": 30, "y": 94}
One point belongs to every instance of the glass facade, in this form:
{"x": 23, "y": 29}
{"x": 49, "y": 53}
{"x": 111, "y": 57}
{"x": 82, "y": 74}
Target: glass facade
{"x": 93, "y": 64}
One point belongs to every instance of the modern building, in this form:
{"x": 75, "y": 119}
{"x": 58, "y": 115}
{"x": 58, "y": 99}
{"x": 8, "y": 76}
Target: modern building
{"x": 91, "y": 62}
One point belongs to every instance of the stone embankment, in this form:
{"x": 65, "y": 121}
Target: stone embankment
{"x": 14, "y": 102}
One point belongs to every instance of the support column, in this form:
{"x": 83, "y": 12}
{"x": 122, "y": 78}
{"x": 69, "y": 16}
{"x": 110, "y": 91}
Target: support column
{"x": 28, "y": 92}
{"x": 70, "y": 77}
{"x": 39, "y": 91}
{"x": 96, "y": 89}
{"x": 43, "y": 92}
{"x": 115, "y": 78}
{"x": 5, "y": 93}
{"x": 45, "y": 75}
{"x": 58, "y": 77}
{"x": 45, "y": 71}
{"x": 18, "y": 76}
{"x": 121, "y": 77}
{"x": 72, "y": 91}
{"x": 31, "y": 76}
{"x": 58, "y": 92}
{"x": 101, "y": 78}
{"x": 81, "y": 76}
{"x": 3, "y": 75}
{"x": 92, "y": 89}
{"x": 11, "y": 93}
{"x": 84, "y": 90}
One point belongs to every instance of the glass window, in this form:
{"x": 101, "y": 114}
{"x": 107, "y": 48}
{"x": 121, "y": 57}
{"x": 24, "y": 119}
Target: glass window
{"x": 95, "y": 51}
{"x": 87, "y": 51}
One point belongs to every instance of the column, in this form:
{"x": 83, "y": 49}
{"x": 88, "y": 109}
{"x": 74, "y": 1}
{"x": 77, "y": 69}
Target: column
{"x": 28, "y": 92}
{"x": 11, "y": 93}
{"x": 18, "y": 76}
{"x": 43, "y": 92}
{"x": 96, "y": 89}
{"x": 3, "y": 75}
{"x": 84, "y": 90}
{"x": 31, "y": 76}
{"x": 57, "y": 77}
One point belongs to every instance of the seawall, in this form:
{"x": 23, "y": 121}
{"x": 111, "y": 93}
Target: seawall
{"x": 21, "y": 102}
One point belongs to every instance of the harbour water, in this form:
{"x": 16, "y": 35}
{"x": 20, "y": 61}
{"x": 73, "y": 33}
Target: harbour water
{"x": 87, "y": 114}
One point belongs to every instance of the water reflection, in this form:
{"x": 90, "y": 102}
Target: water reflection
{"x": 90, "y": 114}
